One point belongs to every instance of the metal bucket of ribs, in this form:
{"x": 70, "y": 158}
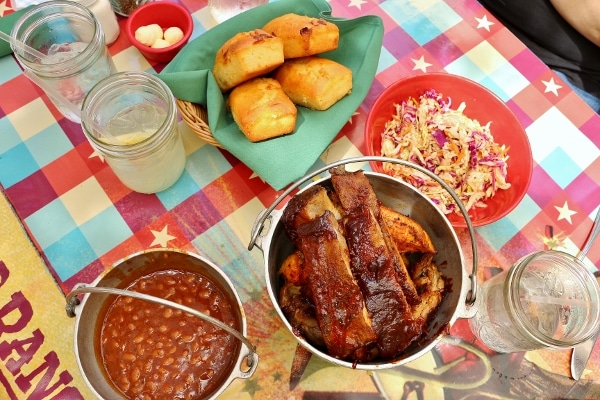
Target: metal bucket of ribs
{"x": 364, "y": 270}
{"x": 162, "y": 323}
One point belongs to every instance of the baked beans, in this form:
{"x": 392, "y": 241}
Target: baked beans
{"x": 152, "y": 351}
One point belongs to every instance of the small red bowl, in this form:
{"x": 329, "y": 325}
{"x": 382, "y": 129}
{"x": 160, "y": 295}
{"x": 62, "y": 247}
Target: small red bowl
{"x": 482, "y": 105}
{"x": 166, "y": 14}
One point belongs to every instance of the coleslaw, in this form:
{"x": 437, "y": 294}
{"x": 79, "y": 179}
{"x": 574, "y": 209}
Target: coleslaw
{"x": 428, "y": 132}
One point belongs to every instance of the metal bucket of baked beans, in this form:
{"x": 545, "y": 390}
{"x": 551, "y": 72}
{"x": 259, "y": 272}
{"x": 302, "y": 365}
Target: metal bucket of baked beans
{"x": 162, "y": 323}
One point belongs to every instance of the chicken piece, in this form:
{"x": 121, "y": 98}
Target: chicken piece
{"x": 294, "y": 299}
{"x": 339, "y": 305}
{"x": 300, "y": 312}
{"x": 305, "y": 207}
{"x": 373, "y": 268}
{"x": 292, "y": 269}
{"x": 355, "y": 190}
{"x": 430, "y": 285}
{"x": 336, "y": 203}
{"x": 408, "y": 235}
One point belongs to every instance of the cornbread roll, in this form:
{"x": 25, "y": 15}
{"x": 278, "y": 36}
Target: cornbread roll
{"x": 262, "y": 110}
{"x": 304, "y": 36}
{"x": 245, "y": 56}
{"x": 314, "y": 82}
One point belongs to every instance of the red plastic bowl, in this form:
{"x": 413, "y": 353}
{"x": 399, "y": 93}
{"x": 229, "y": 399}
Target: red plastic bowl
{"x": 482, "y": 105}
{"x": 166, "y": 14}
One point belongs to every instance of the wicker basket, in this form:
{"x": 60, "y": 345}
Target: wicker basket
{"x": 196, "y": 117}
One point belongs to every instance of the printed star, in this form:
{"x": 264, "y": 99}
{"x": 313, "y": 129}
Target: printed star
{"x": 353, "y": 115}
{"x": 251, "y": 386}
{"x": 255, "y": 175}
{"x": 3, "y": 8}
{"x": 96, "y": 154}
{"x": 356, "y": 3}
{"x": 552, "y": 86}
{"x": 565, "y": 213}
{"x": 161, "y": 238}
{"x": 421, "y": 64}
{"x": 484, "y": 23}
{"x": 255, "y": 295}
{"x": 277, "y": 376}
{"x": 585, "y": 372}
{"x": 554, "y": 242}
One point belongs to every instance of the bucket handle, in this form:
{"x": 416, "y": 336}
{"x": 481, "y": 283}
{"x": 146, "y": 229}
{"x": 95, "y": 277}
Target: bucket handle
{"x": 73, "y": 301}
{"x": 265, "y": 214}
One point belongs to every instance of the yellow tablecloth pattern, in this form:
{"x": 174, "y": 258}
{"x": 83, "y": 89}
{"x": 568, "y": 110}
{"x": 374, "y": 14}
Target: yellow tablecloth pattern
{"x": 29, "y": 308}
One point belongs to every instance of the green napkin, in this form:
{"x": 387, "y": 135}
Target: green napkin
{"x": 6, "y": 24}
{"x": 282, "y": 160}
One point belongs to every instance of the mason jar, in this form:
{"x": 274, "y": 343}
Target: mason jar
{"x": 547, "y": 299}
{"x": 130, "y": 119}
{"x": 75, "y": 53}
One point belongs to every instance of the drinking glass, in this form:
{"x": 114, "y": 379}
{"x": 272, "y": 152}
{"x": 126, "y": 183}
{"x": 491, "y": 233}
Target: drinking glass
{"x": 130, "y": 118}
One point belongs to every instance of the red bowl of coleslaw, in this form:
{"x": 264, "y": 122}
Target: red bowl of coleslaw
{"x": 462, "y": 132}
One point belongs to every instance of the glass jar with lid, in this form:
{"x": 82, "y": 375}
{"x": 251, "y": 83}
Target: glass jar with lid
{"x": 547, "y": 299}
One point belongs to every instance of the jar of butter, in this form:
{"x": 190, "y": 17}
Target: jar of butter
{"x": 130, "y": 119}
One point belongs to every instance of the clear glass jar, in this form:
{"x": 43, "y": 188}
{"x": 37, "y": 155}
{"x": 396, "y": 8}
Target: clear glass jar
{"x": 130, "y": 118}
{"x": 547, "y": 299}
{"x": 106, "y": 16}
{"x": 76, "y": 55}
